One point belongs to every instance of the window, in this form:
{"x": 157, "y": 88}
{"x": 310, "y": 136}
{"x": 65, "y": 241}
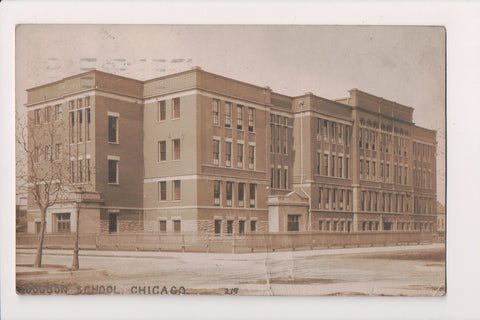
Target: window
{"x": 340, "y": 133}
{"x": 89, "y": 120}
{"x": 382, "y": 170}
{"x": 320, "y": 191}
{"x": 277, "y": 138}
{"x": 334, "y": 199}
{"x": 239, "y": 117}
{"x": 112, "y": 129}
{"x": 325, "y": 164}
{"x": 176, "y": 149}
{"x": 327, "y": 226}
{"x": 319, "y": 127}
{"x": 88, "y": 173}
{"x": 241, "y": 194}
{"x": 216, "y": 151}
{"x": 388, "y": 171}
{"x": 319, "y": 159}
{"x": 80, "y": 125}
{"x": 162, "y": 190}
{"x": 47, "y": 154}
{"x": 333, "y": 166}
{"x": 48, "y": 114}
{"x": 216, "y": 192}
{"x": 162, "y": 225}
{"x": 347, "y": 173}
{"x": 162, "y": 151}
{"x": 176, "y": 190}
{"x": 72, "y": 127}
{"x": 228, "y": 114}
{"x": 80, "y": 170}
{"x": 161, "y": 110}
{"x": 272, "y": 137}
{"x": 112, "y": 222}
{"x": 58, "y": 112}
{"x": 241, "y": 226}
{"x": 63, "y": 222}
{"x": 285, "y": 139}
{"x": 272, "y": 177}
{"x": 253, "y": 225}
{"x": 325, "y": 129}
{"x": 285, "y": 178}
{"x": 340, "y": 204}
{"x": 229, "y": 193}
{"x": 251, "y": 157}
{"x": 327, "y": 198}
{"x": 320, "y": 225}
{"x": 218, "y": 226}
{"x": 348, "y": 199}
{"x": 113, "y": 171}
{"x": 374, "y": 168}
{"x": 58, "y": 151}
{"x": 340, "y": 167}
{"x": 333, "y": 130}
{"x": 37, "y": 117}
{"x": 215, "y": 111}
{"x": 228, "y": 153}
{"x": 293, "y": 222}
{"x": 72, "y": 171}
{"x": 177, "y": 226}
{"x": 176, "y": 108}
{"x": 229, "y": 226}
{"x": 239, "y": 155}
{"x": 367, "y": 168}
{"x": 253, "y": 188}
{"x": 87, "y": 101}
{"x": 278, "y": 178}
{"x": 251, "y": 119}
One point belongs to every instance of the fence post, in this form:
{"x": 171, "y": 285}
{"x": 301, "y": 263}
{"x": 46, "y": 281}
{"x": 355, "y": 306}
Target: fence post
{"x": 233, "y": 243}
{"x": 208, "y": 242}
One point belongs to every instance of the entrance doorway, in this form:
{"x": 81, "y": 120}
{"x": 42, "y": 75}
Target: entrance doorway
{"x": 112, "y": 222}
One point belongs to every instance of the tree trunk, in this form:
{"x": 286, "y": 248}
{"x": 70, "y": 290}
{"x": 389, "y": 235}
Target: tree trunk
{"x": 38, "y": 258}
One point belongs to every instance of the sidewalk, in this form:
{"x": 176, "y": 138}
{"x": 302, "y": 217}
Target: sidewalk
{"x": 231, "y": 256}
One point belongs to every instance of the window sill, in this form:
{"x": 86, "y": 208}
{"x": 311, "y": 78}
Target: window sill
{"x": 114, "y": 143}
{"x": 216, "y": 125}
{"x": 113, "y": 184}
{"x": 175, "y": 160}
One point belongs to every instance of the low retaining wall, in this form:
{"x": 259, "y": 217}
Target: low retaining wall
{"x": 255, "y": 242}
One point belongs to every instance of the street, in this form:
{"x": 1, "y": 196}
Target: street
{"x": 403, "y": 270}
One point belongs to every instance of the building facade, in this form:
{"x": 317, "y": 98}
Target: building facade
{"x": 196, "y": 152}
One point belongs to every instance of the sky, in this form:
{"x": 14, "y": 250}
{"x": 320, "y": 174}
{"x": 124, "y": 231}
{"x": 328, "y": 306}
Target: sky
{"x": 403, "y": 64}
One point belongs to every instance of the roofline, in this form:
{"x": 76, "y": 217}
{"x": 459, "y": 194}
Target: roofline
{"x": 82, "y": 74}
{"x": 198, "y": 69}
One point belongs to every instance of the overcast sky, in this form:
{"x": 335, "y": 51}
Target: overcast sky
{"x": 403, "y": 64}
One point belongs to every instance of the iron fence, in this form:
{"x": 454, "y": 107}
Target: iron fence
{"x": 234, "y": 243}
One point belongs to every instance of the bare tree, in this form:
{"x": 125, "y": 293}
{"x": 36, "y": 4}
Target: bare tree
{"x": 40, "y": 166}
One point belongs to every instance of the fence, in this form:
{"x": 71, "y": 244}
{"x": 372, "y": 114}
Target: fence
{"x": 255, "y": 242}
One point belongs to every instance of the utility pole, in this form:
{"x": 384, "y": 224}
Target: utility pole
{"x": 79, "y": 197}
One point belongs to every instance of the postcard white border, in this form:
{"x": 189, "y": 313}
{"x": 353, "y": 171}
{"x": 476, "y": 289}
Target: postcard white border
{"x": 462, "y": 21}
